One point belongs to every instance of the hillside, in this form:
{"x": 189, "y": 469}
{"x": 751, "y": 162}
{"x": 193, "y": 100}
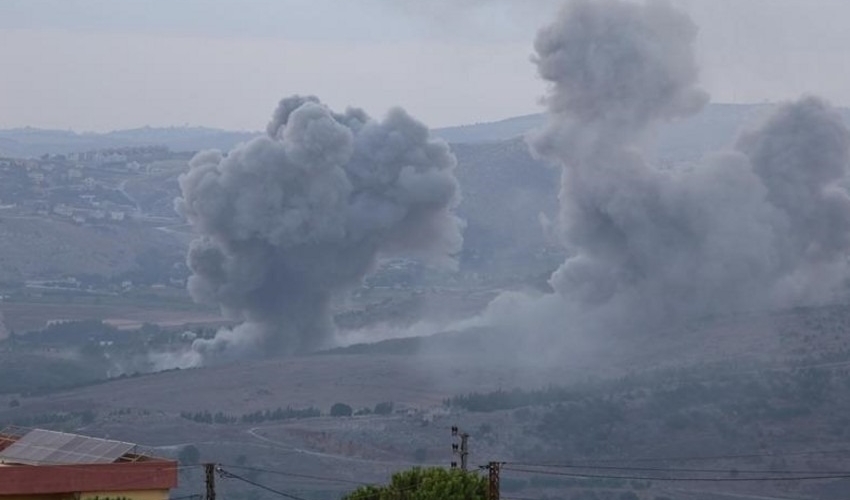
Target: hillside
{"x": 32, "y": 142}
{"x": 39, "y": 248}
{"x": 506, "y": 194}
{"x": 769, "y": 386}
{"x": 716, "y": 126}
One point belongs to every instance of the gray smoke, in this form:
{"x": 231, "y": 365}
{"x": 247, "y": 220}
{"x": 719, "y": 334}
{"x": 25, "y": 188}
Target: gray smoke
{"x": 290, "y": 220}
{"x": 761, "y": 225}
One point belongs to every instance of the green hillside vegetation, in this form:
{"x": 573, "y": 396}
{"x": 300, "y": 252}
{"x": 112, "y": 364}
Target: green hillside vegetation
{"x": 426, "y": 484}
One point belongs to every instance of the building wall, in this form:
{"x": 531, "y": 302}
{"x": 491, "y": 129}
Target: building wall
{"x": 52, "y": 482}
{"x": 132, "y": 495}
{"x": 101, "y": 495}
{"x": 39, "y": 497}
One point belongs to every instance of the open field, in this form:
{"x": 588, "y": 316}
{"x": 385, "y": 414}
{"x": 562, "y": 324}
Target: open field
{"x": 25, "y": 317}
{"x": 696, "y": 390}
{"x": 166, "y": 308}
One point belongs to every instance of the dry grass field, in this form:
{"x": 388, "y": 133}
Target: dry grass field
{"x": 368, "y": 448}
{"x": 29, "y": 316}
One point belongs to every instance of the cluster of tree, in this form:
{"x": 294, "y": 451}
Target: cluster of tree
{"x": 516, "y": 398}
{"x": 92, "y": 335}
{"x": 287, "y": 413}
{"x": 426, "y": 484}
{"x": 344, "y": 410}
{"x": 54, "y": 419}
{"x": 626, "y": 416}
{"x": 156, "y": 267}
{"x": 385, "y": 408}
{"x": 207, "y": 417}
{"x": 259, "y": 416}
{"x": 341, "y": 410}
{"x": 74, "y": 333}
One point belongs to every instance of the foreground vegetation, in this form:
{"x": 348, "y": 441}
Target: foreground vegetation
{"x": 426, "y": 484}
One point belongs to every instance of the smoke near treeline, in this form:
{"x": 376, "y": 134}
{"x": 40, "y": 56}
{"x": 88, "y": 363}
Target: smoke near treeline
{"x": 763, "y": 224}
{"x": 289, "y": 220}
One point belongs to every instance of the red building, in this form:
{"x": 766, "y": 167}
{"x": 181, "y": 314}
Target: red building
{"x": 40, "y": 464}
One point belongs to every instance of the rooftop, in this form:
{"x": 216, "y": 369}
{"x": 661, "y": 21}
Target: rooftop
{"x": 38, "y": 461}
{"x": 43, "y": 447}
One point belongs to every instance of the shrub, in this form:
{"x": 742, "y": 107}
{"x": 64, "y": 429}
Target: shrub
{"x": 341, "y": 410}
{"x": 384, "y": 408}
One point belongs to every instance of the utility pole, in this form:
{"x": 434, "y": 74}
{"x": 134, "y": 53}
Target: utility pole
{"x": 462, "y": 450}
{"x": 493, "y": 469}
{"x": 209, "y": 476}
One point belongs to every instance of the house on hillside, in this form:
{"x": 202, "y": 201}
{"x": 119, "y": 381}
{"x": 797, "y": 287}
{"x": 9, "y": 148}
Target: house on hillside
{"x": 37, "y": 464}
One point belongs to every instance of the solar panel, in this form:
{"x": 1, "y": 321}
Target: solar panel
{"x": 39, "y": 447}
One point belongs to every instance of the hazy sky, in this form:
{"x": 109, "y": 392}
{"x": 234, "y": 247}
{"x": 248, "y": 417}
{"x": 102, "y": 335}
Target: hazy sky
{"x": 107, "y": 64}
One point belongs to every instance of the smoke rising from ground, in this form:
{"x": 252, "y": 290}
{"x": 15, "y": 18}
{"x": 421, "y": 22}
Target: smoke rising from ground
{"x": 290, "y": 220}
{"x": 762, "y": 223}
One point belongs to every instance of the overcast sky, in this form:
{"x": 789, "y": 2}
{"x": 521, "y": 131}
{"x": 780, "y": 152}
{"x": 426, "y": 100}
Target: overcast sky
{"x": 109, "y": 64}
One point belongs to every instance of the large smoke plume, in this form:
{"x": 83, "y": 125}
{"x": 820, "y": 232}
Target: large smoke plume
{"x": 765, "y": 221}
{"x": 289, "y": 220}
{"x": 762, "y": 225}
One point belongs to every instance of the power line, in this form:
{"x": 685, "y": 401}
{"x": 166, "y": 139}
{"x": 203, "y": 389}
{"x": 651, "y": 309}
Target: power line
{"x": 680, "y": 479}
{"x": 307, "y": 476}
{"x": 675, "y": 470}
{"x": 231, "y": 475}
{"x": 293, "y": 474}
{"x": 695, "y": 458}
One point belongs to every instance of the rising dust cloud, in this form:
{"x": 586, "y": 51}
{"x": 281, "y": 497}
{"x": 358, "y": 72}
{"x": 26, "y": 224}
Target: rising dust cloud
{"x": 289, "y": 220}
{"x": 764, "y": 224}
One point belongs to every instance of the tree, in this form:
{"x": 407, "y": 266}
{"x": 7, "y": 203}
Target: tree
{"x": 434, "y": 483}
{"x": 384, "y": 408}
{"x": 341, "y": 410}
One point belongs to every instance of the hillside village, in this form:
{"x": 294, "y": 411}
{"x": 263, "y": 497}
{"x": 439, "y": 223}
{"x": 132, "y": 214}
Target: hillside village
{"x": 85, "y": 188}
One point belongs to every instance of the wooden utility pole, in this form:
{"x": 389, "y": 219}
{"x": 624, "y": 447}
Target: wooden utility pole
{"x": 209, "y": 477}
{"x": 493, "y": 469}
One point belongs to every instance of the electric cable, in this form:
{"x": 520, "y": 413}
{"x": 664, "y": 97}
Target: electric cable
{"x": 293, "y": 474}
{"x": 231, "y": 475}
{"x": 679, "y": 479}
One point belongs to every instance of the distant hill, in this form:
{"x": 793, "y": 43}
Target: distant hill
{"x": 505, "y": 190}
{"x": 508, "y": 128}
{"x": 714, "y": 127}
{"x": 32, "y": 142}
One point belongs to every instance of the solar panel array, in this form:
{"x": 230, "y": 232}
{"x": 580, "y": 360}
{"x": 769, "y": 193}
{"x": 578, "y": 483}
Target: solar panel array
{"x": 43, "y": 447}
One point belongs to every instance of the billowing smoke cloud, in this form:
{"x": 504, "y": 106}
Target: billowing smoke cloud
{"x": 761, "y": 225}
{"x": 289, "y": 220}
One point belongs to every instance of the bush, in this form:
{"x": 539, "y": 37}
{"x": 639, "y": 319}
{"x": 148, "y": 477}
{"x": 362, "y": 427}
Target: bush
{"x": 433, "y": 483}
{"x": 384, "y": 408}
{"x": 341, "y": 410}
